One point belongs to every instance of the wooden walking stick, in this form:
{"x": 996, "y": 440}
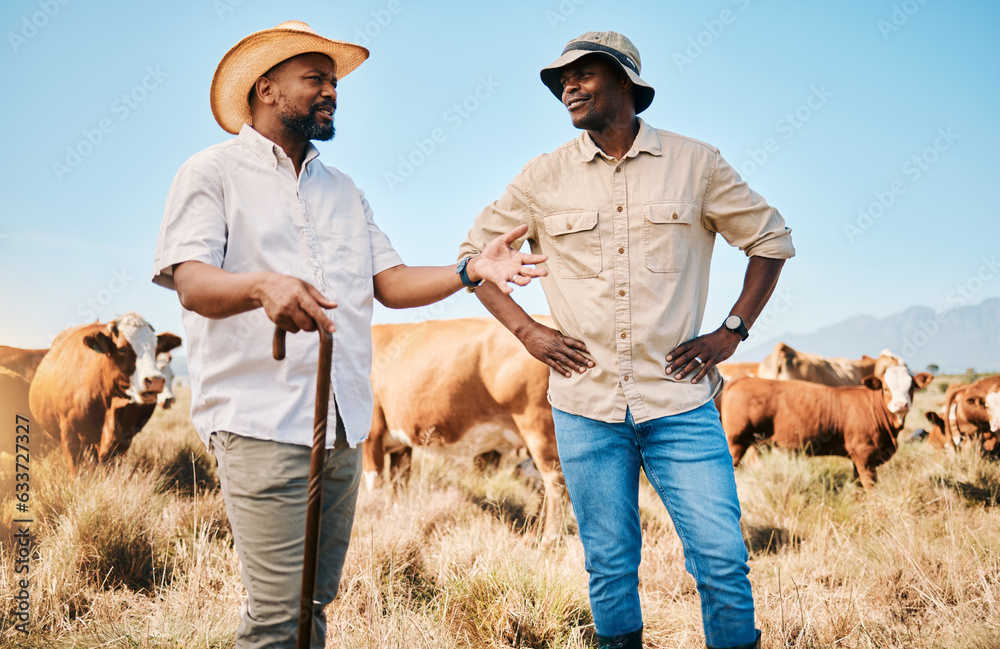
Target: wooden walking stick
{"x": 314, "y": 504}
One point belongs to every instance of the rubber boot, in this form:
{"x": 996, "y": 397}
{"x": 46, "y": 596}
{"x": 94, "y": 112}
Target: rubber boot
{"x": 628, "y": 641}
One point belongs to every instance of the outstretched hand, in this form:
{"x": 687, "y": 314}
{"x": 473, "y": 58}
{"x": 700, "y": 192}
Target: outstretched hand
{"x": 500, "y": 264}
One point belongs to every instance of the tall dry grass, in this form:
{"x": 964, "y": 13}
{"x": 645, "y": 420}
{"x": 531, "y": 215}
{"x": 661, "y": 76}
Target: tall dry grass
{"x": 139, "y": 555}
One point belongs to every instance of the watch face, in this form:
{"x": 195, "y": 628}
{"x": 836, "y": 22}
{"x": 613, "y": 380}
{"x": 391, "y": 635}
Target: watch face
{"x": 733, "y": 322}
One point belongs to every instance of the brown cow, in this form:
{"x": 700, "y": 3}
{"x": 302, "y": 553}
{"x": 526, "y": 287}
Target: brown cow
{"x": 951, "y": 426}
{"x": 21, "y": 361}
{"x": 732, "y": 371}
{"x": 787, "y": 364}
{"x": 90, "y": 372}
{"x": 979, "y": 404}
{"x": 467, "y": 386}
{"x": 859, "y": 422}
{"x": 18, "y": 429}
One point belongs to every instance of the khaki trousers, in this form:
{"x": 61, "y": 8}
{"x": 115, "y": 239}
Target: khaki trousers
{"x": 264, "y": 485}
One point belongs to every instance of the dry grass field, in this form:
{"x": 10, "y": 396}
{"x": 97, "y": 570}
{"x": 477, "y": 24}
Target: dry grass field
{"x": 139, "y": 554}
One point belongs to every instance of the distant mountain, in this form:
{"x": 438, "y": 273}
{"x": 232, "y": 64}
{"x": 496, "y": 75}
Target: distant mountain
{"x": 956, "y": 339}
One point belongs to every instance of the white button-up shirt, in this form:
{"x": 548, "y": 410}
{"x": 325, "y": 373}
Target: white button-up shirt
{"x": 239, "y": 206}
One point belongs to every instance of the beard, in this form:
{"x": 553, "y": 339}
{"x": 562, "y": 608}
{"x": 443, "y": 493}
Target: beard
{"x": 305, "y": 125}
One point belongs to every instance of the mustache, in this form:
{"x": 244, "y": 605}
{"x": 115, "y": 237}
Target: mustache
{"x": 332, "y": 105}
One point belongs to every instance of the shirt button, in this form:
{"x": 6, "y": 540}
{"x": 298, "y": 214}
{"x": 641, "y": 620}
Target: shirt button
{"x": 569, "y": 226}
{"x": 621, "y": 251}
{"x": 618, "y": 170}
{"x": 624, "y": 334}
{"x": 619, "y": 208}
{"x": 675, "y": 215}
{"x": 625, "y": 378}
{"x": 622, "y": 293}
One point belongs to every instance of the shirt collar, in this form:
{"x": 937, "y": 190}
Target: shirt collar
{"x": 646, "y": 141}
{"x": 267, "y": 150}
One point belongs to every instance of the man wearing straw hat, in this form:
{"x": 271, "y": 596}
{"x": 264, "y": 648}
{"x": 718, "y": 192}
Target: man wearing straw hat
{"x": 258, "y": 232}
{"x": 628, "y": 216}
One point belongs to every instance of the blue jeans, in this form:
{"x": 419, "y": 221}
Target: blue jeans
{"x": 687, "y": 461}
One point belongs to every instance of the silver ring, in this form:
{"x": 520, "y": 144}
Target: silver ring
{"x": 700, "y": 362}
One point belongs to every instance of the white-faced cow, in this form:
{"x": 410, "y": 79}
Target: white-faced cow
{"x": 91, "y": 373}
{"x": 131, "y": 417}
{"x": 859, "y": 422}
{"x": 467, "y": 386}
{"x": 950, "y": 427}
{"x": 979, "y": 405}
{"x": 787, "y": 364}
{"x": 167, "y": 342}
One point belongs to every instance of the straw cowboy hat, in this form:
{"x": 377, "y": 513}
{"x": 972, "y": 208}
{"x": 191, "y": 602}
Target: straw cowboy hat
{"x": 613, "y": 46}
{"x": 259, "y": 52}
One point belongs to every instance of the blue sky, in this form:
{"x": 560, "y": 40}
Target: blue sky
{"x": 872, "y": 127}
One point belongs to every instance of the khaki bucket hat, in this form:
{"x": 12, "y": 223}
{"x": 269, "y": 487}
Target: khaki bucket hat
{"x": 259, "y": 52}
{"x": 612, "y": 45}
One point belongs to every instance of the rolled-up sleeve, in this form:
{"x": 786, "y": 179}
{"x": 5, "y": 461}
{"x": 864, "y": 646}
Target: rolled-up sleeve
{"x": 194, "y": 224}
{"x": 503, "y": 215}
{"x": 384, "y": 256}
{"x": 743, "y": 217}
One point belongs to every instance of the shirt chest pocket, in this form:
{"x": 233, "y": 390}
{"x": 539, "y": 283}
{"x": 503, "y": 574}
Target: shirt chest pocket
{"x": 576, "y": 243}
{"x": 353, "y": 247}
{"x": 667, "y": 233}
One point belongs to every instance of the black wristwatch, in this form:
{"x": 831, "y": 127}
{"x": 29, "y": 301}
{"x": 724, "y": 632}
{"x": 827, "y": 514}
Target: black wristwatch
{"x": 735, "y": 324}
{"x": 465, "y": 276}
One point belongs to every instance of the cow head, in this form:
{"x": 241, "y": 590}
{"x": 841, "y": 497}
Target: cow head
{"x": 937, "y": 424}
{"x": 938, "y": 434}
{"x": 782, "y": 363}
{"x": 885, "y": 360}
{"x": 131, "y": 344}
{"x": 165, "y": 343}
{"x": 992, "y": 402}
{"x": 167, "y": 397}
{"x": 897, "y": 387}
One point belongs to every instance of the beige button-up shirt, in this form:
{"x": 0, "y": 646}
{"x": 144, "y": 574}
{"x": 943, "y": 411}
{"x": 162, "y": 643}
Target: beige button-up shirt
{"x": 240, "y": 206}
{"x": 630, "y": 244}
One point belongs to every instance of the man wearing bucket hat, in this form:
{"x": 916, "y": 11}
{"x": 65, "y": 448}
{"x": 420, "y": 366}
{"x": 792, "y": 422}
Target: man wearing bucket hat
{"x": 258, "y": 221}
{"x": 628, "y": 216}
